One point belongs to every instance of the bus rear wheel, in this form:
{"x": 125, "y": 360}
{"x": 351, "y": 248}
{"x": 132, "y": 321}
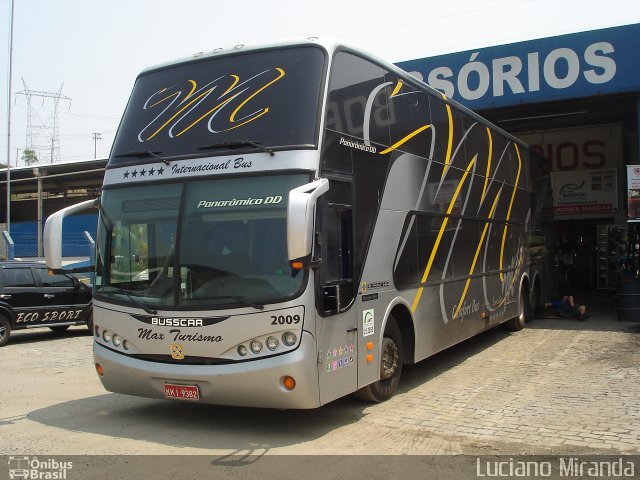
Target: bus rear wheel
{"x": 390, "y": 367}
{"x": 535, "y": 306}
{"x": 517, "y": 323}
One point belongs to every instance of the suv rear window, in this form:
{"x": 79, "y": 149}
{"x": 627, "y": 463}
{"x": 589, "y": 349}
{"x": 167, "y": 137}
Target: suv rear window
{"x": 18, "y": 277}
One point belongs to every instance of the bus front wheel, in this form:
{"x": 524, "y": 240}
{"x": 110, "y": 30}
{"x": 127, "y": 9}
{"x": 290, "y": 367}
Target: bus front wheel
{"x": 390, "y": 367}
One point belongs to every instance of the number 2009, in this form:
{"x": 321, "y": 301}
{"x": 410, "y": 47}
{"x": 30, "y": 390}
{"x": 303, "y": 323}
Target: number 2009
{"x": 285, "y": 319}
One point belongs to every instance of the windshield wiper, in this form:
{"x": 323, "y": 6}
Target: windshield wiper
{"x": 242, "y": 300}
{"x": 144, "y": 154}
{"x": 237, "y": 144}
{"x": 140, "y": 303}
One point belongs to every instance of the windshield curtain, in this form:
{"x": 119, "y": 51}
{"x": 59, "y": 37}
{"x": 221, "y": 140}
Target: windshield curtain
{"x": 227, "y": 247}
{"x": 270, "y": 97}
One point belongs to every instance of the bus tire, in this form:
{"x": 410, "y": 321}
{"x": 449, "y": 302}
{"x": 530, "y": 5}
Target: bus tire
{"x": 535, "y": 306}
{"x": 59, "y": 328}
{"x": 5, "y": 330}
{"x": 517, "y": 323}
{"x": 390, "y": 367}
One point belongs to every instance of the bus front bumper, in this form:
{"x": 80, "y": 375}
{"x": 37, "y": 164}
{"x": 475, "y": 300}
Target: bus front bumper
{"x": 257, "y": 383}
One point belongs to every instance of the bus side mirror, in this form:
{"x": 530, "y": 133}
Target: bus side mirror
{"x": 300, "y": 212}
{"x": 52, "y": 238}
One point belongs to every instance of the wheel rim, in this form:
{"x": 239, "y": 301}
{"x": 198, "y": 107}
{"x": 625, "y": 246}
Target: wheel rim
{"x": 523, "y": 309}
{"x": 389, "y": 360}
{"x": 3, "y": 331}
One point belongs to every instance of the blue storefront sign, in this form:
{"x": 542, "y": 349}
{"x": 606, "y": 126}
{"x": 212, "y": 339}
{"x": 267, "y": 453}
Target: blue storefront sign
{"x": 582, "y": 64}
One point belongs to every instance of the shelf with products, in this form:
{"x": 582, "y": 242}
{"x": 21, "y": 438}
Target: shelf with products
{"x": 613, "y": 257}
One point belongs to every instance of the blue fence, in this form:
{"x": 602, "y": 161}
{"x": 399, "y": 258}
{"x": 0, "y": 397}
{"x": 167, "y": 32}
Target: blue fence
{"x": 74, "y": 240}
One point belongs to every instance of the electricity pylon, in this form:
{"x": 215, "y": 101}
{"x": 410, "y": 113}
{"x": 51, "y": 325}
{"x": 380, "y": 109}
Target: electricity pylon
{"x": 43, "y": 132}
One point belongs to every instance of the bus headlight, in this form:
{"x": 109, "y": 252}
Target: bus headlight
{"x": 289, "y": 339}
{"x": 256, "y": 346}
{"x": 115, "y": 339}
{"x": 272, "y": 343}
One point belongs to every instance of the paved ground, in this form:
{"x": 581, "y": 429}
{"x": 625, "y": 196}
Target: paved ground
{"x": 557, "y": 387}
{"x": 561, "y": 384}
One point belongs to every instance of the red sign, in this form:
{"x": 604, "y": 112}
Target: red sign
{"x": 185, "y": 392}
{"x": 569, "y": 209}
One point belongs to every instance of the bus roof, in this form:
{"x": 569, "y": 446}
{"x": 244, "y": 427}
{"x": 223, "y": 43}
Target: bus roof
{"x": 330, "y": 45}
{"x": 327, "y": 43}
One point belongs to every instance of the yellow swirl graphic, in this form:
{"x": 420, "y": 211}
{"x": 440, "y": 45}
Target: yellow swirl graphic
{"x": 443, "y": 227}
{"x": 477, "y": 254}
{"x": 405, "y": 139}
{"x": 506, "y": 225}
{"x": 447, "y": 159}
{"x": 486, "y": 177}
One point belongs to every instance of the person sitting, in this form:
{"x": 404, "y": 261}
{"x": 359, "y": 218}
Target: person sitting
{"x": 567, "y": 308}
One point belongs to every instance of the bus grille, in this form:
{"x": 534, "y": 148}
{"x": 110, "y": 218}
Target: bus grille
{"x": 186, "y": 360}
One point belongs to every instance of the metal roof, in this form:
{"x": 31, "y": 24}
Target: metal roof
{"x": 57, "y": 177}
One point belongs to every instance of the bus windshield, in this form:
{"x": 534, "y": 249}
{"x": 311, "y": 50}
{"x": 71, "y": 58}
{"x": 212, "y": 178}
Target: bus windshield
{"x": 268, "y": 97}
{"x": 219, "y": 242}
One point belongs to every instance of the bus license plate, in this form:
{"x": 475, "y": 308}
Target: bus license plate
{"x": 186, "y": 392}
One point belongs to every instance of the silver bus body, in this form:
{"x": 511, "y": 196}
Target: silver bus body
{"x": 391, "y": 227}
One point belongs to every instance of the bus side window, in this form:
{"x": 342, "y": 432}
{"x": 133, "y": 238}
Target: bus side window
{"x": 338, "y": 238}
{"x": 337, "y": 250}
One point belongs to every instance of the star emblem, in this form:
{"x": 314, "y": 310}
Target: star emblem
{"x": 126, "y": 174}
{"x": 134, "y": 173}
{"x": 152, "y": 171}
{"x": 160, "y": 170}
{"x": 143, "y": 172}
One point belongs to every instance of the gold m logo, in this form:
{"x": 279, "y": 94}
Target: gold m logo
{"x": 177, "y": 351}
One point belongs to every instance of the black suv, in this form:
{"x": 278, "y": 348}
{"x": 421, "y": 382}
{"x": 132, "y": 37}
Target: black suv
{"x": 30, "y": 297}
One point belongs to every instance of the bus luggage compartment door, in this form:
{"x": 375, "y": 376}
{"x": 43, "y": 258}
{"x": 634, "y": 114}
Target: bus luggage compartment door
{"x": 338, "y": 350}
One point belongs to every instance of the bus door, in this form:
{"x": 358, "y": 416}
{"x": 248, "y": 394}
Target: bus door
{"x": 337, "y": 326}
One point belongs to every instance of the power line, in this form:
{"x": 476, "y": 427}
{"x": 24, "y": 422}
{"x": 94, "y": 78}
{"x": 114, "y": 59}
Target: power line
{"x": 88, "y": 115}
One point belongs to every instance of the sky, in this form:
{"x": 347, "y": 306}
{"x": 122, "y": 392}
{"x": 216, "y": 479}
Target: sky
{"x": 90, "y": 51}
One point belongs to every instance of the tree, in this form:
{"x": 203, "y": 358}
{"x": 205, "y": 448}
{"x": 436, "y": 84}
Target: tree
{"x": 29, "y": 157}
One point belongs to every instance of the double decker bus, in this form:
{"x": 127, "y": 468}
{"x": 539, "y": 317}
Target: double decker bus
{"x": 284, "y": 225}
